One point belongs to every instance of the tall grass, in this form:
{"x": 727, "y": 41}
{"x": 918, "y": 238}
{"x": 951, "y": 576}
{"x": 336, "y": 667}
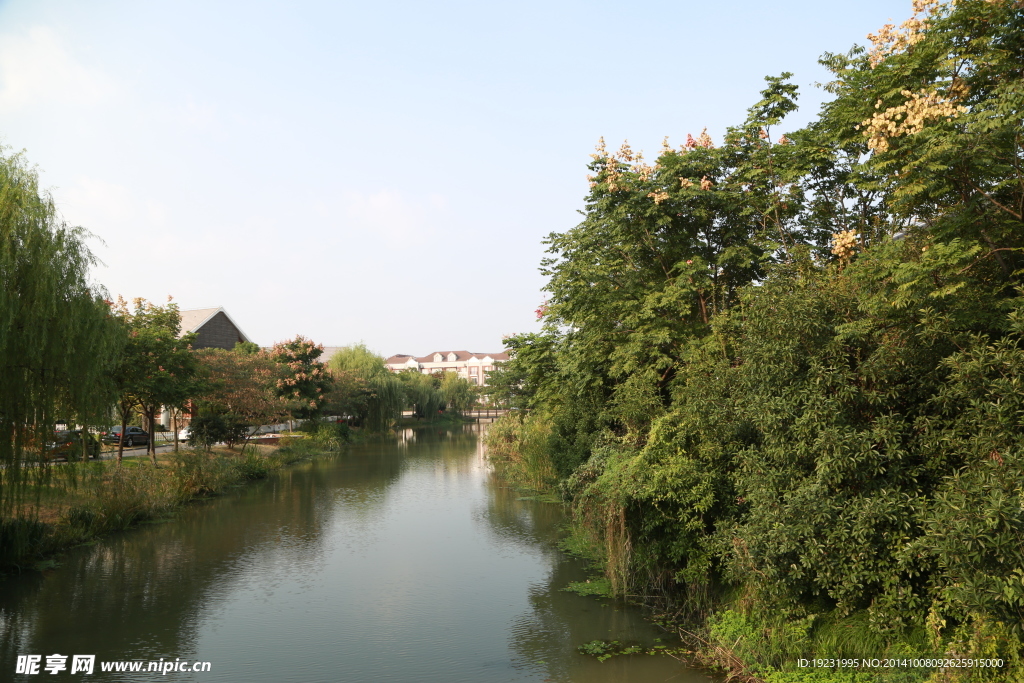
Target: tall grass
{"x": 517, "y": 445}
{"x": 83, "y": 500}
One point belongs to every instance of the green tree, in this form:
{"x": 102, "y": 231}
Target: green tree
{"x": 57, "y": 343}
{"x": 241, "y": 388}
{"x": 306, "y": 381}
{"x": 422, "y": 393}
{"x": 529, "y": 378}
{"x": 157, "y": 367}
{"x": 788, "y": 367}
{"x": 457, "y": 393}
{"x": 386, "y": 398}
{"x": 939, "y": 104}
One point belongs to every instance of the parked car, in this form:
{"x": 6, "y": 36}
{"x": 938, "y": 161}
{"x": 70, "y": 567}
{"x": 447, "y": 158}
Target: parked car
{"x": 184, "y": 434}
{"x": 68, "y": 444}
{"x": 133, "y": 436}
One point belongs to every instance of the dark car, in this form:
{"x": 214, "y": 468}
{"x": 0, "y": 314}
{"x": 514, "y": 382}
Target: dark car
{"x": 133, "y": 436}
{"x": 71, "y": 444}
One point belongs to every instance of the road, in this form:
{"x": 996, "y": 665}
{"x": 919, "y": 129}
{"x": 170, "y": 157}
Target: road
{"x": 110, "y": 453}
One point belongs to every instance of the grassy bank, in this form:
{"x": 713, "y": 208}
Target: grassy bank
{"x": 74, "y": 503}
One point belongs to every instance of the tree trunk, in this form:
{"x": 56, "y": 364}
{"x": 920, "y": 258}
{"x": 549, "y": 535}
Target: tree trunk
{"x": 151, "y": 446}
{"x": 120, "y": 440}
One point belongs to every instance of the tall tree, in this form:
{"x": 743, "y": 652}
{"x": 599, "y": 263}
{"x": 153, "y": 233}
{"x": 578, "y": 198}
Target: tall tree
{"x": 386, "y": 397}
{"x": 157, "y": 367}
{"x": 57, "y": 343}
{"x": 306, "y": 381}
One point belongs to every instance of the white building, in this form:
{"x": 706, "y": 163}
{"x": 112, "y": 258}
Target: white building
{"x": 470, "y": 366}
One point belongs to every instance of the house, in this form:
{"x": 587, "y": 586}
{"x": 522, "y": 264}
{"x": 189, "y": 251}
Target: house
{"x": 215, "y": 327}
{"x": 470, "y": 366}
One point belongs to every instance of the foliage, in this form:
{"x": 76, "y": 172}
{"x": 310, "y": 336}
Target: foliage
{"x": 430, "y": 394}
{"x": 157, "y": 367}
{"x": 247, "y": 347}
{"x": 242, "y": 387}
{"x": 57, "y": 344}
{"x": 384, "y": 398}
{"x": 349, "y": 394}
{"x": 210, "y": 428}
{"x": 458, "y": 393}
{"x": 600, "y": 587}
{"x": 422, "y": 393}
{"x": 519, "y": 447}
{"x": 780, "y": 375}
{"x": 604, "y": 650}
{"x": 328, "y": 435}
{"x": 306, "y": 381}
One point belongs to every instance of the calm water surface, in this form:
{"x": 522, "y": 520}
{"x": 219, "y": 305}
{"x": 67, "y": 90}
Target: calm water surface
{"x": 401, "y": 560}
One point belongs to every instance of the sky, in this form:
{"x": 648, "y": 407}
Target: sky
{"x": 383, "y": 173}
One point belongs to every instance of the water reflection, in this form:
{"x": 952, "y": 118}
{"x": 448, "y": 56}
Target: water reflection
{"x": 401, "y": 560}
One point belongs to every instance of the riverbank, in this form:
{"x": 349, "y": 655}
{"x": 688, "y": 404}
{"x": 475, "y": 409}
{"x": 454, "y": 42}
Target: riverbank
{"x": 70, "y": 504}
{"x": 443, "y": 420}
{"x": 730, "y": 623}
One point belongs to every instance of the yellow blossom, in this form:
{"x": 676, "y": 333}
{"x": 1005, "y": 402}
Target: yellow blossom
{"x": 908, "y": 118}
{"x": 844, "y": 245}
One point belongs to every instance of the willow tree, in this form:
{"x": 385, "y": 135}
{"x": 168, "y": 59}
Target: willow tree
{"x": 422, "y": 393}
{"x": 384, "y": 405}
{"x": 56, "y": 338}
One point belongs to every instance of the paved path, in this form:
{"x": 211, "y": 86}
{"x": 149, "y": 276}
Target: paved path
{"x": 135, "y": 451}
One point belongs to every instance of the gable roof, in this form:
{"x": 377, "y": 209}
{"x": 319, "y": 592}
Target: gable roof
{"x": 193, "y": 319}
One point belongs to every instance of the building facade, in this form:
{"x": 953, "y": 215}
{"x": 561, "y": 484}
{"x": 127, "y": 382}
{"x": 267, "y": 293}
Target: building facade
{"x": 473, "y": 367}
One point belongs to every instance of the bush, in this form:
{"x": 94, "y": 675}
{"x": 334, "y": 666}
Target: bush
{"x": 517, "y": 444}
{"x": 198, "y": 473}
{"x": 253, "y": 466}
{"x": 210, "y": 429}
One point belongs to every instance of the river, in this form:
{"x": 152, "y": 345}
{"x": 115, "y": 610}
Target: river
{"x": 401, "y": 560}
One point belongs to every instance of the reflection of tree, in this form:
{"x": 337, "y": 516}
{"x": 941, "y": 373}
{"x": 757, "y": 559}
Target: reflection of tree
{"x": 527, "y": 523}
{"x": 559, "y": 621}
{"x": 139, "y": 594}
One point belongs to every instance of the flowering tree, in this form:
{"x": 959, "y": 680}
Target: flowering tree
{"x": 242, "y": 387}
{"x": 306, "y": 380}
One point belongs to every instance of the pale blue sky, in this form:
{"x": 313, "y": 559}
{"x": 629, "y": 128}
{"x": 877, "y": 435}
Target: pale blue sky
{"x": 377, "y": 172}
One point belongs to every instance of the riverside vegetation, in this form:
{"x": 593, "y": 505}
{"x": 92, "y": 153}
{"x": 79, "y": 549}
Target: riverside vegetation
{"x": 74, "y": 503}
{"x": 779, "y": 382}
